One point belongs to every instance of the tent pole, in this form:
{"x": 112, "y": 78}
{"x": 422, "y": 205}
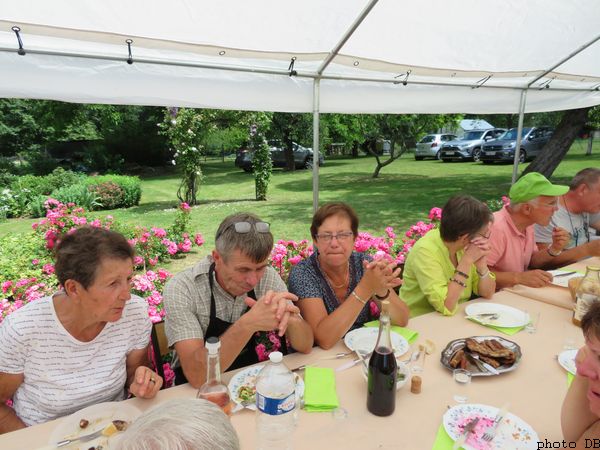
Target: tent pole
{"x": 315, "y": 168}
{"x": 519, "y": 131}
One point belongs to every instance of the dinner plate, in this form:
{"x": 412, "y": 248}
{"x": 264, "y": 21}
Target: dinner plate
{"x": 559, "y": 279}
{"x": 99, "y": 416}
{"x": 364, "y": 340}
{"x": 567, "y": 360}
{"x": 513, "y": 432}
{"x": 456, "y": 344}
{"x": 247, "y": 377}
{"x": 507, "y": 315}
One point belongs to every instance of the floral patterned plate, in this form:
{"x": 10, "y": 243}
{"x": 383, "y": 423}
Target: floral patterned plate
{"x": 364, "y": 340}
{"x": 246, "y": 378}
{"x": 513, "y": 432}
{"x": 99, "y": 416}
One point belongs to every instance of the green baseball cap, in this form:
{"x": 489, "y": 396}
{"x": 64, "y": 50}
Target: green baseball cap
{"x": 533, "y": 185}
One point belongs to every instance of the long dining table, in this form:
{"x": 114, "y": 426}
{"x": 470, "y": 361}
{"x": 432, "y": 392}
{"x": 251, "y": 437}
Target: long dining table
{"x": 535, "y": 389}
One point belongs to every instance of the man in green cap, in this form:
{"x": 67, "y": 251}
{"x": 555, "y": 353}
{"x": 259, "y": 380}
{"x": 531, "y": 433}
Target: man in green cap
{"x": 515, "y": 257}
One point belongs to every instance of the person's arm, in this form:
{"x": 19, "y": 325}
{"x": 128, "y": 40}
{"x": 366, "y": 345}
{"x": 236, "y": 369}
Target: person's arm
{"x": 300, "y": 334}
{"x": 575, "y": 417}
{"x": 9, "y": 383}
{"x": 532, "y": 278}
{"x": 263, "y": 316}
{"x": 573, "y": 254}
{"x": 486, "y": 285}
{"x": 142, "y": 381}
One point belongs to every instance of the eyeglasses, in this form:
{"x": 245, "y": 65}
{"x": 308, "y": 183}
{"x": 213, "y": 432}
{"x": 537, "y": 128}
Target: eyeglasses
{"x": 341, "y": 237}
{"x": 245, "y": 227}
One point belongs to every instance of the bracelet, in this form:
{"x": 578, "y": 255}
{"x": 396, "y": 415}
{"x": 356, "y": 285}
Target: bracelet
{"x": 364, "y": 302}
{"x": 483, "y": 275}
{"x": 553, "y": 254}
{"x": 462, "y": 274}
{"x": 383, "y": 297}
{"x": 458, "y": 282}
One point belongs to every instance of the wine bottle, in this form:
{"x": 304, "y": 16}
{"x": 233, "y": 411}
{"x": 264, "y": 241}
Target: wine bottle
{"x": 381, "y": 385}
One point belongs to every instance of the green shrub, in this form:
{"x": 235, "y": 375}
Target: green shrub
{"x": 13, "y": 203}
{"x": 131, "y": 186}
{"x": 78, "y": 194}
{"x": 37, "y": 207}
{"x": 110, "y": 195}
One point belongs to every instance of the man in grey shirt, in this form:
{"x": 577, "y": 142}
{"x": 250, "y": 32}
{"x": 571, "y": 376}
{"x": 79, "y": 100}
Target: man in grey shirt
{"x": 573, "y": 214}
{"x": 234, "y": 295}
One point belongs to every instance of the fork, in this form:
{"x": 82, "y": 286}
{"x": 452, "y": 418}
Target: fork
{"x": 490, "y": 433}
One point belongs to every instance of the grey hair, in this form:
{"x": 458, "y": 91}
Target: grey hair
{"x": 257, "y": 246}
{"x": 588, "y": 176}
{"x": 181, "y": 424}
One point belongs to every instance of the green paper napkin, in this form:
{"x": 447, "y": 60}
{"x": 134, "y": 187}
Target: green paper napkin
{"x": 570, "y": 378}
{"x": 319, "y": 389}
{"x": 408, "y": 334}
{"x": 506, "y": 330}
{"x": 442, "y": 440}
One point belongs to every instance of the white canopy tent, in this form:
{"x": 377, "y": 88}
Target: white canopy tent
{"x": 349, "y": 56}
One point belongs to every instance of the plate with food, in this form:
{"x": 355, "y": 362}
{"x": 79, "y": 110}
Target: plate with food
{"x": 482, "y": 355}
{"x": 496, "y": 314}
{"x": 512, "y": 432}
{"x": 242, "y": 386}
{"x": 107, "y": 419}
{"x": 567, "y": 360}
{"x": 364, "y": 340}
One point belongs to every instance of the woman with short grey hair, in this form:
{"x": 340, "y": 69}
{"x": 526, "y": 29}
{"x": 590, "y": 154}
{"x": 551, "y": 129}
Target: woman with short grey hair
{"x": 181, "y": 424}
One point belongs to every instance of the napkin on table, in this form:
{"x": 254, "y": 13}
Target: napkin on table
{"x": 506, "y": 330}
{"x": 319, "y": 390}
{"x": 406, "y": 333}
{"x": 442, "y": 440}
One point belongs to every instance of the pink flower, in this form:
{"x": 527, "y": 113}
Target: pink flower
{"x": 35, "y": 261}
{"x": 373, "y": 309}
{"x": 169, "y": 375}
{"x": 295, "y": 260}
{"x": 198, "y": 239}
{"x": 390, "y": 232}
{"x": 435, "y": 214}
{"x": 261, "y": 351}
{"x": 138, "y": 261}
{"x": 159, "y": 232}
{"x": 153, "y": 261}
{"x": 48, "y": 269}
{"x": 505, "y": 200}
{"x": 184, "y": 206}
{"x": 163, "y": 274}
{"x": 96, "y": 223}
{"x": 6, "y": 286}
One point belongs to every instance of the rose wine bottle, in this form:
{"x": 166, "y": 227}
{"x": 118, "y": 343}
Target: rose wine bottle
{"x": 214, "y": 389}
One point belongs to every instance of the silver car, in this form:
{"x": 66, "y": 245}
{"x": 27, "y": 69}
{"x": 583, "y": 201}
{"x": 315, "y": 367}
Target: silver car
{"x": 468, "y": 148}
{"x": 430, "y": 145}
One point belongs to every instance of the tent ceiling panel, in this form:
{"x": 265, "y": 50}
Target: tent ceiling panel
{"x": 233, "y": 54}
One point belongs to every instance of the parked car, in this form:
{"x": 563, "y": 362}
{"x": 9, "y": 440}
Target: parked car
{"x": 303, "y": 156}
{"x": 533, "y": 140}
{"x": 468, "y": 148}
{"x": 429, "y": 146}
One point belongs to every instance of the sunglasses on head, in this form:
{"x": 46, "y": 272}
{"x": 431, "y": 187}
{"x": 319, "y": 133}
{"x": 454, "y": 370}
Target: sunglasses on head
{"x": 246, "y": 227}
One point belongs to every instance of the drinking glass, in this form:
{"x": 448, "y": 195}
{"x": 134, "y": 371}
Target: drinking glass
{"x": 462, "y": 378}
{"x": 534, "y": 319}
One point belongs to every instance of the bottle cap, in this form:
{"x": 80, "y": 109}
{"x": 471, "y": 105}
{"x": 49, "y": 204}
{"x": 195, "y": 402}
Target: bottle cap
{"x": 276, "y": 357}
{"x": 385, "y": 306}
{"x": 212, "y": 345}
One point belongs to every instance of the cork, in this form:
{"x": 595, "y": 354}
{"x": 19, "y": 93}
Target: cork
{"x": 415, "y": 384}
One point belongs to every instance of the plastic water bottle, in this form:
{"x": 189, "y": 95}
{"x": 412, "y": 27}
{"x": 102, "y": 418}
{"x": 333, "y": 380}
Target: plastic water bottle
{"x": 275, "y": 405}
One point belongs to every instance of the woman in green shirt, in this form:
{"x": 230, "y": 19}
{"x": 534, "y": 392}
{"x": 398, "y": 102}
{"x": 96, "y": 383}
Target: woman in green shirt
{"x": 447, "y": 265}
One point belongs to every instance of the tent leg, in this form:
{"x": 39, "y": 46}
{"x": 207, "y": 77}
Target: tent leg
{"x": 519, "y": 131}
{"x": 315, "y": 168}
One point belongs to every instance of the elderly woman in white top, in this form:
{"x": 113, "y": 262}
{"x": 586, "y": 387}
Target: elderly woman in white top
{"x": 83, "y": 345}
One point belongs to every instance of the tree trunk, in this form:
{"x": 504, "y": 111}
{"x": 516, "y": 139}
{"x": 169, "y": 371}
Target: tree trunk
{"x": 355, "y": 149}
{"x": 557, "y": 147}
{"x": 588, "y": 152}
{"x": 288, "y": 152}
{"x": 382, "y": 164}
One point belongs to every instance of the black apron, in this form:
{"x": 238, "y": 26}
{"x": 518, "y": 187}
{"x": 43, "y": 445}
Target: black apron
{"x": 216, "y": 327}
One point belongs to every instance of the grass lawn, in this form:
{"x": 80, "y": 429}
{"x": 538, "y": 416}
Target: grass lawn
{"x": 402, "y": 195}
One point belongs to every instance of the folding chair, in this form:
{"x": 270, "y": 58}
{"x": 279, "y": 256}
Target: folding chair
{"x": 159, "y": 347}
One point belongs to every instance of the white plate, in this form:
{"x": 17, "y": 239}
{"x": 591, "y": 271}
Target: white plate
{"x": 564, "y": 279}
{"x": 99, "y": 416}
{"x": 247, "y": 377}
{"x": 507, "y": 315}
{"x": 364, "y": 340}
{"x": 513, "y": 432}
{"x": 567, "y": 360}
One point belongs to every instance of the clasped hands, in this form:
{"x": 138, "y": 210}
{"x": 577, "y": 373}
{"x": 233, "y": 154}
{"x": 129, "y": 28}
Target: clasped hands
{"x": 272, "y": 311}
{"x": 381, "y": 275}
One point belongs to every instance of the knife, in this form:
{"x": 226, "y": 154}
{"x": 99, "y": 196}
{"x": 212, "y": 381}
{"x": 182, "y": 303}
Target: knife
{"x": 463, "y": 437}
{"x": 564, "y": 274}
{"x": 347, "y": 365}
{"x": 482, "y": 364}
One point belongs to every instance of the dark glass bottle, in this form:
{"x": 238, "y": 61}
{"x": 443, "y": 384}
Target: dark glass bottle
{"x": 381, "y": 393}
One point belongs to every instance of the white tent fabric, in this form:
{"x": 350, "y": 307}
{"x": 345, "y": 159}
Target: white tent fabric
{"x": 234, "y": 54}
